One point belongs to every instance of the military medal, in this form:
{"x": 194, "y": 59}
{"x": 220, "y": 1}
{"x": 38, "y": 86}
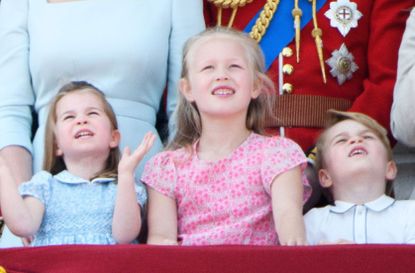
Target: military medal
{"x": 343, "y": 15}
{"x": 342, "y": 64}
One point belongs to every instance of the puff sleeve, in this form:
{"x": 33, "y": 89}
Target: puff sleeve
{"x": 280, "y": 155}
{"x": 38, "y": 187}
{"x": 160, "y": 173}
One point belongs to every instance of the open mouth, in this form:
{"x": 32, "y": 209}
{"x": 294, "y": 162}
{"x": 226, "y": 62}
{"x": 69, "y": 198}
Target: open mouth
{"x": 83, "y": 134}
{"x": 223, "y": 92}
{"x": 358, "y": 151}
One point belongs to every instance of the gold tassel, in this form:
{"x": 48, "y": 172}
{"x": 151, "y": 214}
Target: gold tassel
{"x": 224, "y": 4}
{"x": 317, "y": 33}
{"x": 297, "y": 13}
{"x": 219, "y": 19}
{"x": 233, "y": 15}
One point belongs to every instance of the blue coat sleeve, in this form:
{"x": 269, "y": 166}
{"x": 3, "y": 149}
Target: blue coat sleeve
{"x": 16, "y": 93}
{"x": 187, "y": 20}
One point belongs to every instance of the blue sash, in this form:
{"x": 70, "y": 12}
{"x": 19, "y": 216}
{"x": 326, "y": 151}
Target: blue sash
{"x": 281, "y": 30}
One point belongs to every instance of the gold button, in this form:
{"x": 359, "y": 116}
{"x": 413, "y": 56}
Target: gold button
{"x": 287, "y": 52}
{"x": 287, "y": 88}
{"x": 287, "y": 69}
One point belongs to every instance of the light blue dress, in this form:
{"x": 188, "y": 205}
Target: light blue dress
{"x": 77, "y": 211}
{"x": 129, "y": 49}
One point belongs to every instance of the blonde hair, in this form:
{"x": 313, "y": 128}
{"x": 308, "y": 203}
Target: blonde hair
{"x": 335, "y": 117}
{"x": 55, "y": 164}
{"x": 189, "y": 124}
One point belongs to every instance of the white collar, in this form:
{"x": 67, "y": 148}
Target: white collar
{"x": 377, "y": 205}
{"x": 67, "y": 177}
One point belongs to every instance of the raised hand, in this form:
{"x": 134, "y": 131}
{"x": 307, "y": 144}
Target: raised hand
{"x": 129, "y": 161}
{"x": 126, "y": 222}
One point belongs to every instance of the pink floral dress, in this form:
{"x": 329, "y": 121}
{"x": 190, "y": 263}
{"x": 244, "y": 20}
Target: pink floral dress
{"x": 226, "y": 201}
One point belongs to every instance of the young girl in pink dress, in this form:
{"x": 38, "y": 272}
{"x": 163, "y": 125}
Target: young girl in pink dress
{"x": 221, "y": 180}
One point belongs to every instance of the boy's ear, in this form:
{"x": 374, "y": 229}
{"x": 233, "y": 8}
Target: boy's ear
{"x": 116, "y": 136}
{"x": 325, "y": 178}
{"x": 185, "y": 89}
{"x": 391, "y": 170}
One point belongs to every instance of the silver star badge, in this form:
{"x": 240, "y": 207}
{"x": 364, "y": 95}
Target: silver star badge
{"x": 343, "y": 15}
{"x": 342, "y": 64}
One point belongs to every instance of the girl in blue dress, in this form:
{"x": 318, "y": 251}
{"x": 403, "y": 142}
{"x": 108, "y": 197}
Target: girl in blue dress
{"x": 85, "y": 195}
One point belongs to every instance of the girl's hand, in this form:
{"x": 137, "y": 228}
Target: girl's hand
{"x": 296, "y": 241}
{"x": 126, "y": 221}
{"x": 129, "y": 161}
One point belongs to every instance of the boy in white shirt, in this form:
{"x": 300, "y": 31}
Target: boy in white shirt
{"x": 355, "y": 166}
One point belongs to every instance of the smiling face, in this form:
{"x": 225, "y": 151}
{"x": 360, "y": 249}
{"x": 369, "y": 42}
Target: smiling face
{"x": 220, "y": 78}
{"x": 350, "y": 151}
{"x": 83, "y": 127}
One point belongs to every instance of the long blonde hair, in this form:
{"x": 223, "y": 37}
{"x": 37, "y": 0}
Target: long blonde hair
{"x": 55, "y": 164}
{"x": 188, "y": 120}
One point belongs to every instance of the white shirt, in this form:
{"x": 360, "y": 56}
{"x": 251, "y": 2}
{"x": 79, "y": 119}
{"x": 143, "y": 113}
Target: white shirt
{"x": 382, "y": 221}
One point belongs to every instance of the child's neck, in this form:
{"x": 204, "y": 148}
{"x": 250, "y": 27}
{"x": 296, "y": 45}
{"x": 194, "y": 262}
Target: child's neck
{"x": 360, "y": 190}
{"x": 85, "y": 168}
{"x": 218, "y": 141}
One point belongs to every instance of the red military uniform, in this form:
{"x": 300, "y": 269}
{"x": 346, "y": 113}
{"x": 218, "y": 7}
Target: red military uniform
{"x": 360, "y": 74}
